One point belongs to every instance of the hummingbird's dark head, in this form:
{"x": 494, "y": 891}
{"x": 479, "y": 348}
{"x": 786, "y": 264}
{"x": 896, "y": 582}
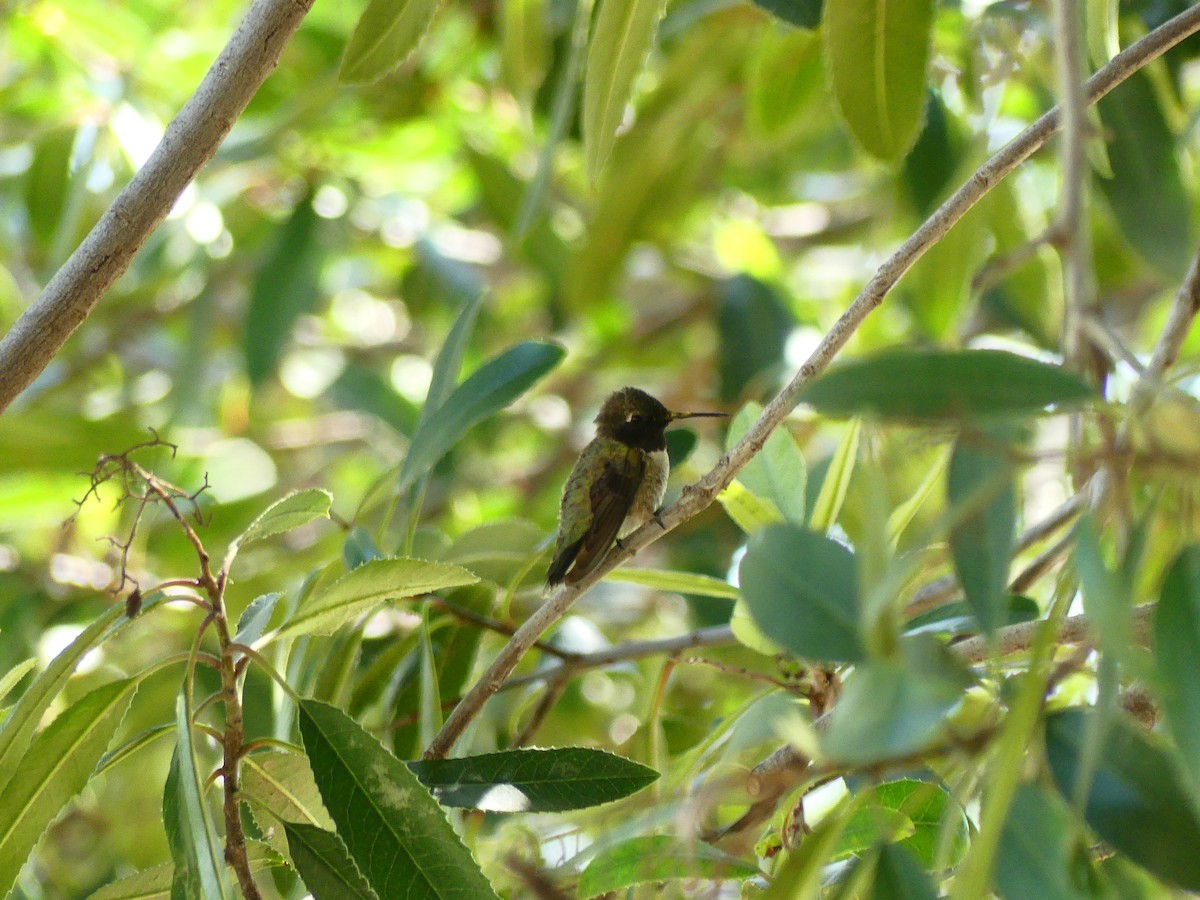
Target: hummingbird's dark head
{"x": 633, "y": 417}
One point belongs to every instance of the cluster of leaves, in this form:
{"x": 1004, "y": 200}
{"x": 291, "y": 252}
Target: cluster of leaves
{"x": 685, "y": 196}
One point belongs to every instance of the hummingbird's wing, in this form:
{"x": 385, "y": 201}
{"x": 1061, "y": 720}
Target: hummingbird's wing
{"x": 607, "y": 501}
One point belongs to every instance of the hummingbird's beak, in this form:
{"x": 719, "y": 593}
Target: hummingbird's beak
{"x": 698, "y": 415}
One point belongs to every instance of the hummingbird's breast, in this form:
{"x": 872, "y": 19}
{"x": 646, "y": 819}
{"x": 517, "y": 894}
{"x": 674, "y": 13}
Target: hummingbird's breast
{"x": 653, "y": 488}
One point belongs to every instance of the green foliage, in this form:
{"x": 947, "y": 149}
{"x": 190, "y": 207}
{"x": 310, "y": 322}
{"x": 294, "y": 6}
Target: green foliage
{"x": 655, "y": 859}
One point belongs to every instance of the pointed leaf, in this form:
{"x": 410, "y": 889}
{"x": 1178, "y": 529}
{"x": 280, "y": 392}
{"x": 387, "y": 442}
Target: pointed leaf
{"x": 59, "y": 762}
{"x": 801, "y": 13}
{"x": 877, "y": 52}
{"x": 387, "y": 33}
{"x": 659, "y": 858}
{"x": 322, "y": 861}
{"x": 1177, "y": 659}
{"x": 292, "y": 511}
{"x": 1037, "y": 845}
{"x": 283, "y": 785}
{"x": 828, "y": 505}
{"x": 802, "y": 590}
{"x": 15, "y": 674}
{"x": 943, "y": 384}
{"x": 679, "y": 582}
{"x": 533, "y": 780}
{"x": 372, "y": 583}
{"x": 392, "y": 827}
{"x": 492, "y": 386}
{"x": 255, "y": 618}
{"x": 622, "y": 36}
{"x": 154, "y": 883}
{"x": 777, "y": 472}
{"x": 1137, "y": 802}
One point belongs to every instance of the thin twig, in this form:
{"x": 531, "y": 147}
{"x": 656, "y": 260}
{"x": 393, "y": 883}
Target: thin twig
{"x": 699, "y": 496}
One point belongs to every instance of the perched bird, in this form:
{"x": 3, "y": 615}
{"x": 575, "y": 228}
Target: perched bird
{"x": 617, "y": 484}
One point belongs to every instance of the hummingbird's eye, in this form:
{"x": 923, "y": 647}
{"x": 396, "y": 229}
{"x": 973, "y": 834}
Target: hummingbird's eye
{"x": 634, "y": 417}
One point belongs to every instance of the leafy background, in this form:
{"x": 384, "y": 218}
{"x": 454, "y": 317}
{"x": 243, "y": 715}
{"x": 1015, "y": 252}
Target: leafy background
{"x": 489, "y": 214}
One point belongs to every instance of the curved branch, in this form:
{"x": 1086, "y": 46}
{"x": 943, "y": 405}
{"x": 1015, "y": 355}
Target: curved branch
{"x": 699, "y": 496}
{"x": 189, "y": 142}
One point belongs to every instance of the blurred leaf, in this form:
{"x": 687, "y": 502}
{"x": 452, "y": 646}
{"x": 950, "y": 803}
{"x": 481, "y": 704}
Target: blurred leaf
{"x": 656, "y": 859}
{"x": 934, "y": 158}
{"x": 47, "y": 180}
{"x": 199, "y": 862}
{"x": 255, "y": 618}
{"x": 492, "y": 386}
{"x": 524, "y": 44}
{"x": 786, "y": 81}
{"x": 944, "y": 384}
{"x": 802, "y": 589}
{"x": 1146, "y": 193}
{"x": 877, "y": 53}
{"x": 777, "y": 472}
{"x": 801, "y": 13}
{"x": 57, "y": 766}
{"x": 154, "y": 883}
{"x": 691, "y": 583}
{"x": 957, "y": 618}
{"x": 1107, "y": 602}
{"x": 322, "y": 861}
{"x": 892, "y": 708}
{"x": 359, "y": 548}
{"x": 871, "y": 825}
{"x": 13, "y": 676}
{"x": 1103, "y": 40}
{"x": 296, "y": 509}
{"x": 430, "y": 708}
{"x": 913, "y": 813}
{"x": 497, "y": 550}
{"x": 747, "y": 632}
{"x": 393, "y": 829}
{"x": 749, "y": 512}
{"x": 980, "y": 488}
{"x": 364, "y": 588}
{"x": 680, "y": 444}
{"x": 899, "y": 875}
{"x": 753, "y": 325}
{"x": 828, "y": 505}
{"x": 1177, "y": 659}
{"x": 1037, "y": 849}
{"x": 621, "y": 37}
{"x": 387, "y": 33}
{"x": 286, "y": 288}
{"x": 533, "y": 780}
{"x": 365, "y": 390}
{"x": 1137, "y": 803}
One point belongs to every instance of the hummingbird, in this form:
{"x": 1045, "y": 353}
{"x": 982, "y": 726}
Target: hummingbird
{"x": 617, "y": 484}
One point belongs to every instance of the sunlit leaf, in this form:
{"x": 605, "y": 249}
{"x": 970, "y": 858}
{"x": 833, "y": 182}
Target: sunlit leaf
{"x": 655, "y": 859}
{"x": 387, "y": 32}
{"x": 679, "y": 582}
{"x": 322, "y": 861}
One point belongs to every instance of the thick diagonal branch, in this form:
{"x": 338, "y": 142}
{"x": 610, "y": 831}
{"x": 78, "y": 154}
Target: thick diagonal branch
{"x": 189, "y": 142}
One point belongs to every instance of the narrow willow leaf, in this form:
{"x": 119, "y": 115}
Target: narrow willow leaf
{"x": 524, "y": 46}
{"x": 199, "y": 866}
{"x": 828, "y": 505}
{"x": 154, "y": 883}
{"x": 283, "y": 785}
{"x": 448, "y": 365}
{"x": 15, "y": 674}
{"x": 394, "y": 830}
{"x": 368, "y": 586}
{"x": 492, "y": 386}
{"x": 58, "y": 764}
{"x": 679, "y": 582}
{"x": 802, "y": 590}
{"x": 292, "y": 511}
{"x": 944, "y": 384}
{"x": 1036, "y": 855}
{"x": 655, "y": 859}
{"x": 1137, "y": 803}
{"x": 980, "y": 488}
{"x": 1177, "y": 659}
{"x": 430, "y": 708}
{"x": 138, "y": 742}
{"x": 621, "y": 38}
{"x": 322, "y": 861}
{"x": 533, "y": 780}
{"x": 255, "y": 618}
{"x": 877, "y": 52}
{"x": 19, "y": 724}
{"x": 387, "y": 33}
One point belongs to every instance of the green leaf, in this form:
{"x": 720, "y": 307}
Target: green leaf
{"x": 154, "y": 883}
{"x": 1037, "y": 849}
{"x": 47, "y": 182}
{"x": 749, "y": 512}
{"x": 457, "y": 284}
{"x": 199, "y": 865}
{"x": 255, "y": 618}
{"x": 892, "y": 708}
{"x": 753, "y": 325}
{"x": 679, "y": 582}
{"x": 20, "y": 723}
{"x": 899, "y": 875}
{"x": 322, "y": 861}
{"x": 621, "y": 38}
{"x": 285, "y": 289}
{"x": 1106, "y": 600}
{"x": 802, "y": 589}
{"x": 128, "y": 748}
{"x": 658, "y": 858}
{"x": 1177, "y": 659}
{"x": 1147, "y": 194}
{"x": 980, "y": 488}
{"x": 1137, "y": 802}
{"x": 868, "y": 826}
{"x": 294, "y": 510}
{"x": 524, "y": 46}
{"x": 877, "y": 52}
{"x": 912, "y": 812}
{"x": 835, "y": 484}
{"x": 957, "y": 618}
{"x": 10, "y": 678}
{"x": 934, "y": 158}
{"x": 59, "y": 762}
{"x": 283, "y": 785}
{"x": 801, "y": 13}
{"x": 777, "y": 472}
{"x": 364, "y": 389}
{"x": 533, "y": 780}
{"x": 492, "y": 386}
{"x": 372, "y": 583}
{"x": 392, "y": 827}
{"x": 387, "y": 33}
{"x": 944, "y": 384}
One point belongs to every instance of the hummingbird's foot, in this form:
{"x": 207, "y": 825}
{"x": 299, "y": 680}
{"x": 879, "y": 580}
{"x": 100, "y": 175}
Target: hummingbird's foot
{"x": 619, "y": 544}
{"x": 657, "y": 517}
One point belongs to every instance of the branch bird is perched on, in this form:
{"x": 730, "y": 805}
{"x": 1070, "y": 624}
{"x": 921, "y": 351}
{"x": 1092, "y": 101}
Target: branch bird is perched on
{"x": 617, "y": 484}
